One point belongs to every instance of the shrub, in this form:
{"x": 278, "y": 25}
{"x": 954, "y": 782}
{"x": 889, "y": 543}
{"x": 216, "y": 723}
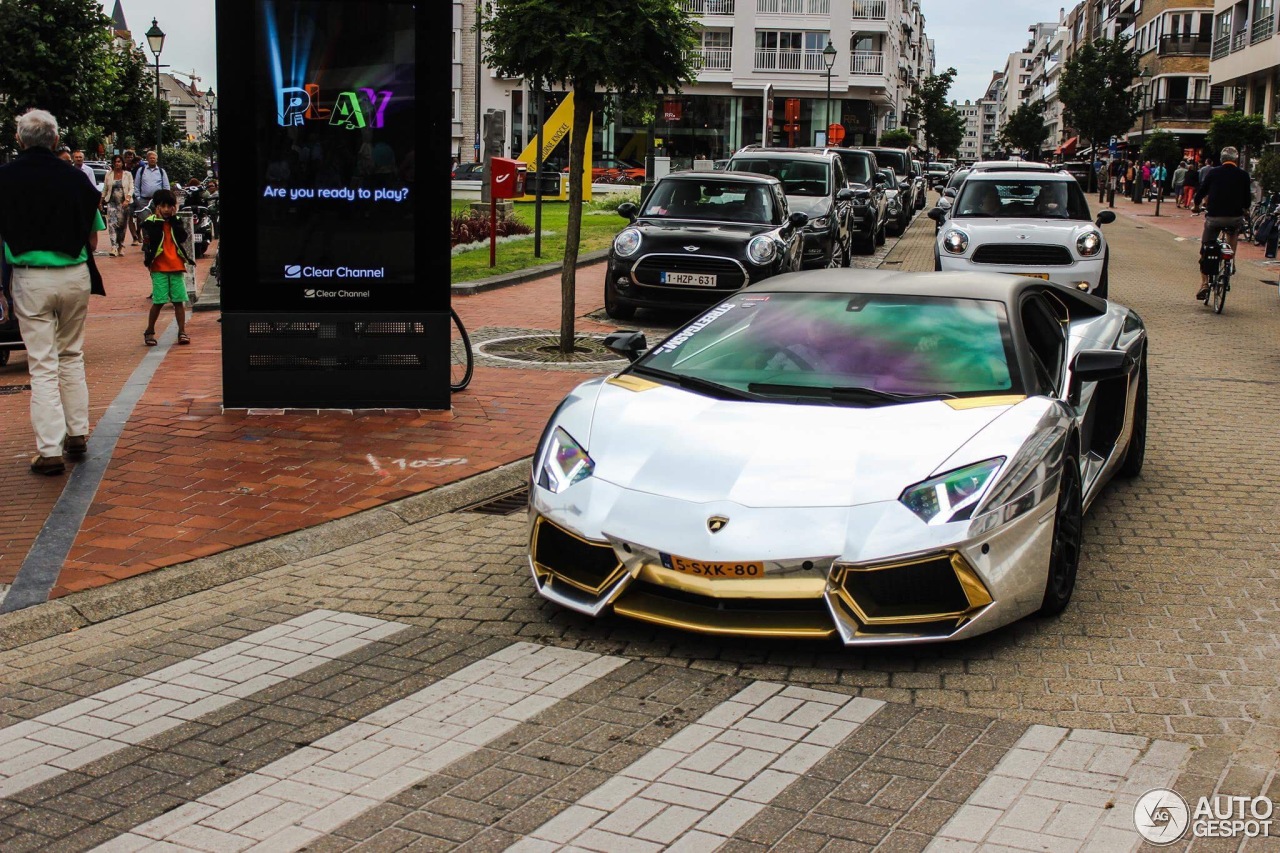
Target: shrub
{"x": 1267, "y": 172}
{"x": 611, "y": 201}
{"x": 471, "y": 226}
{"x": 182, "y": 164}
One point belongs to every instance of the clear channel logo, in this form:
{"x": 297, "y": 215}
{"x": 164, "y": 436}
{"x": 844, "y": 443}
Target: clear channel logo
{"x": 1161, "y": 816}
{"x": 300, "y": 271}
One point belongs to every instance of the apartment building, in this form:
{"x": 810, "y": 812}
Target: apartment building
{"x": 1173, "y": 40}
{"x": 1246, "y": 55}
{"x": 971, "y": 141}
{"x": 988, "y": 129}
{"x": 762, "y": 79}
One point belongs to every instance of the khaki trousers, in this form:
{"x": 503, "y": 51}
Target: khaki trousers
{"x": 51, "y": 304}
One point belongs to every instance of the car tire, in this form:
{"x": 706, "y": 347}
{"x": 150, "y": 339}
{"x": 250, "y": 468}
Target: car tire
{"x": 1104, "y": 280}
{"x": 880, "y": 238}
{"x": 836, "y": 257}
{"x": 4, "y": 357}
{"x": 937, "y": 262}
{"x": 1064, "y": 551}
{"x": 1136, "y": 452}
{"x": 614, "y": 307}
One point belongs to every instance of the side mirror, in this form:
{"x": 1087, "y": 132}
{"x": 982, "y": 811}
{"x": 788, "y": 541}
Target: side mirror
{"x": 628, "y": 210}
{"x": 1106, "y": 217}
{"x": 845, "y": 194}
{"x": 950, "y": 192}
{"x": 629, "y": 345}
{"x": 937, "y": 214}
{"x": 1097, "y": 365}
{"x": 798, "y": 220}
{"x": 881, "y": 180}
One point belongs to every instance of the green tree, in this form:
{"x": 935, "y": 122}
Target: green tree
{"x": 1162, "y": 147}
{"x": 899, "y": 137}
{"x": 641, "y": 47}
{"x": 1245, "y": 132}
{"x": 1267, "y": 172}
{"x": 948, "y": 132}
{"x": 1025, "y": 131}
{"x": 57, "y": 57}
{"x": 132, "y": 107}
{"x": 1097, "y": 91}
{"x": 931, "y": 110}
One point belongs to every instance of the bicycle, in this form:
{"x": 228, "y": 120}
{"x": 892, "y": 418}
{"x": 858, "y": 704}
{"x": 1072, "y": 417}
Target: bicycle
{"x": 1217, "y": 260}
{"x": 461, "y": 359}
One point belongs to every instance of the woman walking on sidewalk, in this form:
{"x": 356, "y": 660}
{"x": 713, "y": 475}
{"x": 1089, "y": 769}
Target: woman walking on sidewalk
{"x": 117, "y": 195}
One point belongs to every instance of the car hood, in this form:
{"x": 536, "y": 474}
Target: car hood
{"x": 665, "y": 233}
{"x": 811, "y": 205}
{"x": 1057, "y": 231}
{"x": 672, "y": 442}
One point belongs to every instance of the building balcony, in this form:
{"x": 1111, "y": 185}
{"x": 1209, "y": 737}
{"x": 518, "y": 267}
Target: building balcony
{"x": 1184, "y": 45}
{"x": 867, "y": 62}
{"x": 870, "y": 10}
{"x": 806, "y": 61}
{"x": 1221, "y": 47}
{"x": 712, "y": 58}
{"x": 1262, "y": 29}
{"x": 706, "y": 8}
{"x": 1182, "y": 109}
{"x": 793, "y": 7}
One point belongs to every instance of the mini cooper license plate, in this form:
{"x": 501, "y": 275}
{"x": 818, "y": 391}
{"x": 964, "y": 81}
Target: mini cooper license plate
{"x": 712, "y": 569}
{"x": 695, "y": 279}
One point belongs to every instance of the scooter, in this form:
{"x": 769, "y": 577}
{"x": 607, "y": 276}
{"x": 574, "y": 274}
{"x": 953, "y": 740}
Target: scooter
{"x": 201, "y": 220}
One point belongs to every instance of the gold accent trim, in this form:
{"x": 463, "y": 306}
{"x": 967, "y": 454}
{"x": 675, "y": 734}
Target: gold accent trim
{"x": 975, "y": 592}
{"x": 632, "y": 383}
{"x": 547, "y": 572}
{"x": 983, "y": 402}
{"x": 781, "y": 588}
{"x": 647, "y": 607}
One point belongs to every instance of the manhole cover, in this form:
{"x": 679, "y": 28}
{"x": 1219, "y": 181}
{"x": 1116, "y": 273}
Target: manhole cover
{"x": 545, "y": 349}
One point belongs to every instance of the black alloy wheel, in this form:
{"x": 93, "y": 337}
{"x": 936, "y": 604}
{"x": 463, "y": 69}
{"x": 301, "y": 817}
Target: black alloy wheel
{"x": 1068, "y": 530}
{"x": 613, "y": 306}
{"x": 1136, "y": 452}
{"x": 836, "y": 257}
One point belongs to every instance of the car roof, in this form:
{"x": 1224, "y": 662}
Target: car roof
{"x": 720, "y": 175}
{"x": 788, "y": 154}
{"x": 999, "y": 287}
{"x": 833, "y": 149}
{"x": 1014, "y": 174}
{"x": 1012, "y": 165}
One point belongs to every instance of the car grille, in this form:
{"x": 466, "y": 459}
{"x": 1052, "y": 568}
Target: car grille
{"x": 729, "y": 275}
{"x": 1022, "y": 254}
{"x": 589, "y": 566}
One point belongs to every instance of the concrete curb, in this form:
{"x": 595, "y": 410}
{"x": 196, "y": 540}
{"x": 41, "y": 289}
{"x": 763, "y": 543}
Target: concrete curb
{"x": 101, "y": 604}
{"x": 471, "y": 288}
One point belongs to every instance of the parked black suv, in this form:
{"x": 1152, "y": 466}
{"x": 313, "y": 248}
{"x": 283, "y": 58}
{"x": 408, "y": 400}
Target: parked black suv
{"x": 814, "y": 184}
{"x": 869, "y": 213}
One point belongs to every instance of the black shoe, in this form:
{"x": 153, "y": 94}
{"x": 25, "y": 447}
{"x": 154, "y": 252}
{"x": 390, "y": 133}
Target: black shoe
{"x": 75, "y": 446}
{"x": 50, "y": 466}
{"x": 1202, "y": 294}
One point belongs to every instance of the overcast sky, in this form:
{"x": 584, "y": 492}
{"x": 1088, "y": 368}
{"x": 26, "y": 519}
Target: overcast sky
{"x": 976, "y": 36}
{"x": 189, "y": 43}
{"x": 973, "y": 36}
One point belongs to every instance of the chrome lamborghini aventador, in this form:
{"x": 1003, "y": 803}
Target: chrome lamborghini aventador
{"x": 874, "y": 456}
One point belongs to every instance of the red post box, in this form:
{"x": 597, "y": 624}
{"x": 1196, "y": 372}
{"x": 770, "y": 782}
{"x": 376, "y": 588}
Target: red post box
{"x": 506, "y": 178}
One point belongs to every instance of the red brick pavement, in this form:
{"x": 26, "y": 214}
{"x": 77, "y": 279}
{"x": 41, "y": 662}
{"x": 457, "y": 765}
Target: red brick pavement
{"x": 1178, "y": 222}
{"x": 188, "y": 479}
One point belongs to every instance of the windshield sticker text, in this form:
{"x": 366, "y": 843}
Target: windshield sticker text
{"x": 676, "y": 342}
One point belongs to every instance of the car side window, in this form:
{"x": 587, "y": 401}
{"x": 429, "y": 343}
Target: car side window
{"x": 841, "y": 181}
{"x": 780, "y": 203}
{"x": 1046, "y": 338}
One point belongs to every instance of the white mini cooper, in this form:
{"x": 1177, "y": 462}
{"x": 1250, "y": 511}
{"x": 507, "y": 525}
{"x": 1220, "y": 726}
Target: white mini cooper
{"x": 1034, "y": 224}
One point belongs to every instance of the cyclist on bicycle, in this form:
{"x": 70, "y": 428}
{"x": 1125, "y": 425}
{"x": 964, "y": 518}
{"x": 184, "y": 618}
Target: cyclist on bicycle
{"x": 1226, "y": 188}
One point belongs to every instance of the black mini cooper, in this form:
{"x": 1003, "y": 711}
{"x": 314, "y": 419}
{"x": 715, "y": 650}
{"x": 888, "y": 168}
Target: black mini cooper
{"x": 698, "y": 237}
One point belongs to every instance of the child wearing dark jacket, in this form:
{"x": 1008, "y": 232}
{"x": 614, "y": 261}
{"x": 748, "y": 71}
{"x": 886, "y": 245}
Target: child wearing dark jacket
{"x": 163, "y": 237}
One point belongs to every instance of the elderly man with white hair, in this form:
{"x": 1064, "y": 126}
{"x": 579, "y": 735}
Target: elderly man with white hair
{"x": 49, "y": 221}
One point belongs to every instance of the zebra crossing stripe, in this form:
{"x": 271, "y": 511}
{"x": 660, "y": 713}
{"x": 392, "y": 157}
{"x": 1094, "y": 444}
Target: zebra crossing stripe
{"x": 305, "y": 795}
{"x": 702, "y": 784}
{"x": 46, "y": 746}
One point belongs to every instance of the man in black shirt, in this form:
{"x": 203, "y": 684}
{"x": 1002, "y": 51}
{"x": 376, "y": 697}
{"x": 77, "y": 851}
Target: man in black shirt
{"x": 1226, "y": 189}
{"x": 49, "y": 220}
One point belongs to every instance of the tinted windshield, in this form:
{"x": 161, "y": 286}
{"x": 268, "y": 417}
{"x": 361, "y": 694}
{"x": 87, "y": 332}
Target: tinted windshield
{"x": 891, "y": 179}
{"x": 957, "y": 179}
{"x": 1022, "y": 198}
{"x": 799, "y": 177}
{"x": 891, "y": 344}
{"x": 710, "y": 198}
{"x": 897, "y": 160}
{"x": 857, "y": 166}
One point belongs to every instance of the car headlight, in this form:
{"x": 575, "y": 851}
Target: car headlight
{"x": 951, "y": 496}
{"x": 819, "y": 224}
{"x": 893, "y": 204}
{"x": 564, "y": 462}
{"x": 627, "y": 243}
{"x": 1089, "y": 244}
{"x": 955, "y": 242}
{"x": 761, "y": 250}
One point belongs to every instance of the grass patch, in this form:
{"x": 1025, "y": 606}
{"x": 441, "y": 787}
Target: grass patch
{"x": 598, "y": 231}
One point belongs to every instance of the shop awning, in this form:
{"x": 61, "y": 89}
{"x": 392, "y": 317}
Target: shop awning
{"x": 1069, "y": 147}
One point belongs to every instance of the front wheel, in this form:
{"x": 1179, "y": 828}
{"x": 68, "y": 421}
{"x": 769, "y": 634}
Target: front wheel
{"x": 4, "y": 357}
{"x": 1064, "y": 553}
{"x": 837, "y": 256}
{"x": 1104, "y": 280}
{"x": 1219, "y": 293}
{"x": 461, "y": 364}
{"x": 613, "y": 307}
{"x": 1136, "y": 452}
{"x": 880, "y": 238}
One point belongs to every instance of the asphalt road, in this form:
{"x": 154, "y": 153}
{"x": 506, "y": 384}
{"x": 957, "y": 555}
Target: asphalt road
{"x": 1162, "y": 673}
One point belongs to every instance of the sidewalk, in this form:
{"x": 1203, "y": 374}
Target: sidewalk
{"x": 1178, "y": 222}
{"x": 188, "y": 479}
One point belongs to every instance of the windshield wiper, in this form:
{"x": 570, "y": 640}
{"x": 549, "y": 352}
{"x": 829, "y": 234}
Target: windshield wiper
{"x": 840, "y": 393}
{"x": 694, "y": 383}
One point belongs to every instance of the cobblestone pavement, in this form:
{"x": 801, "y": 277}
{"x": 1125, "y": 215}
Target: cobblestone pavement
{"x": 392, "y": 682}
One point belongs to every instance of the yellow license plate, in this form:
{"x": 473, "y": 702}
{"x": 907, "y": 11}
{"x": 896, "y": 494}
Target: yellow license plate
{"x": 712, "y": 569}
{"x": 1043, "y": 275}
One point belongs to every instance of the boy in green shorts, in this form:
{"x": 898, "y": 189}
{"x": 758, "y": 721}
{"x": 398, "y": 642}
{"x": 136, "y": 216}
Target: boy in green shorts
{"x": 163, "y": 236}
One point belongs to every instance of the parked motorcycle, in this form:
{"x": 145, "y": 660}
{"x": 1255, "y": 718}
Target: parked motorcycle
{"x": 201, "y": 219}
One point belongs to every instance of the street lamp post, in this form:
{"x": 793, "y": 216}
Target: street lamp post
{"x": 155, "y": 40}
{"x": 829, "y": 58}
{"x": 1145, "y": 76}
{"x": 213, "y": 149}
